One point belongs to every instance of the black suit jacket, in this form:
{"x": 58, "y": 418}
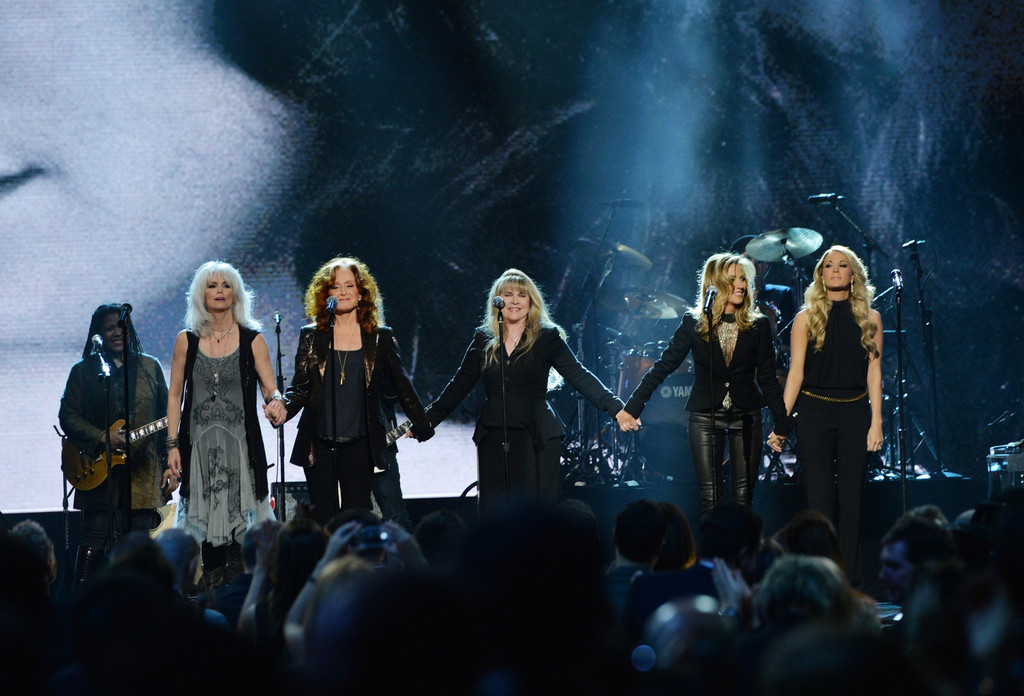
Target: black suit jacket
{"x": 526, "y": 374}
{"x": 751, "y": 374}
{"x": 380, "y": 356}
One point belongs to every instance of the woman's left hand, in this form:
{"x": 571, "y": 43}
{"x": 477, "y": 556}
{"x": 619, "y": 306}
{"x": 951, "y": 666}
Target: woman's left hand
{"x": 875, "y": 437}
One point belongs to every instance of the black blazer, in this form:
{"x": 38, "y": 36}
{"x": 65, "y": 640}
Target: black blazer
{"x": 526, "y": 373}
{"x": 380, "y": 355}
{"x": 751, "y": 374}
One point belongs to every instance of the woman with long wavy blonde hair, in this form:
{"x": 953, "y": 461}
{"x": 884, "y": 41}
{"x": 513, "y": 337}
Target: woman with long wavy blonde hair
{"x": 534, "y": 358}
{"x": 734, "y": 377}
{"x": 834, "y": 386}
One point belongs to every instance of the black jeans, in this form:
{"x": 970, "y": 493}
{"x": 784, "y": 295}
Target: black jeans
{"x": 745, "y": 435}
{"x": 96, "y": 525}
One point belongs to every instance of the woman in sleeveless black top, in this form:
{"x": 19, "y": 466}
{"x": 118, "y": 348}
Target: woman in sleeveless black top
{"x": 835, "y": 387}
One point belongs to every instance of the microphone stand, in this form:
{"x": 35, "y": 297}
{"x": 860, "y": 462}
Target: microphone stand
{"x": 927, "y": 327}
{"x": 504, "y": 397}
{"x": 281, "y": 504}
{"x": 902, "y": 432}
{"x": 104, "y": 375}
{"x": 711, "y": 384}
{"x": 333, "y": 359}
{"x": 126, "y": 485}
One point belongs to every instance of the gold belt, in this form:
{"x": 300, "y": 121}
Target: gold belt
{"x": 834, "y": 399}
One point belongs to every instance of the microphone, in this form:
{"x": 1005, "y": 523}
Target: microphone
{"x": 709, "y": 298}
{"x": 122, "y": 318}
{"x": 277, "y": 318}
{"x": 913, "y": 243}
{"x": 819, "y": 198}
{"x": 498, "y": 303}
{"x": 332, "y": 305}
{"x": 97, "y": 344}
{"x": 897, "y": 279}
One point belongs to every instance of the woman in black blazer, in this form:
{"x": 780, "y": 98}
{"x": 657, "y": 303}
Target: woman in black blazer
{"x": 535, "y": 358}
{"x": 743, "y": 355}
{"x": 342, "y": 437}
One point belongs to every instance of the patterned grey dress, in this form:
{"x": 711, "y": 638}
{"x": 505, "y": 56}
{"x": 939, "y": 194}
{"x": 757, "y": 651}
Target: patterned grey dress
{"x": 223, "y": 501}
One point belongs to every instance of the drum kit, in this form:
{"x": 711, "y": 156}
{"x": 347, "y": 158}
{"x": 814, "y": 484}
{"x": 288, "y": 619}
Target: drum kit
{"x": 636, "y": 335}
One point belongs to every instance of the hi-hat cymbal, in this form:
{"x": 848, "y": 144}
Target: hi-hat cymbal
{"x": 624, "y": 256}
{"x": 773, "y": 245}
{"x": 641, "y": 302}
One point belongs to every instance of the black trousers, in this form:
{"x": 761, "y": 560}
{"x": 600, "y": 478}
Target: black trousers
{"x": 96, "y": 525}
{"x": 533, "y": 472}
{"x": 745, "y": 434}
{"x": 350, "y": 467}
{"x": 833, "y": 458}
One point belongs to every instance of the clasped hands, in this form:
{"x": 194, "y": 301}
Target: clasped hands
{"x": 627, "y": 422}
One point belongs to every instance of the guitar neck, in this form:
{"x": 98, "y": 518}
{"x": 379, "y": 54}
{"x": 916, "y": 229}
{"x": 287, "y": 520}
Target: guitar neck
{"x": 147, "y": 429}
{"x": 399, "y": 432}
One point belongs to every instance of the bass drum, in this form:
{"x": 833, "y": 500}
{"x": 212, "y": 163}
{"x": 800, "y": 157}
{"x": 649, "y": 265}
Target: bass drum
{"x": 667, "y": 404}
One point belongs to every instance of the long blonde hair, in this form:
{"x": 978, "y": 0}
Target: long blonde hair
{"x": 862, "y": 292}
{"x": 536, "y": 319}
{"x": 716, "y": 272}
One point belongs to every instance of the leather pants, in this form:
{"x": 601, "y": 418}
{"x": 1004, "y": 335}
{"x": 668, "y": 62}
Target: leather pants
{"x": 745, "y": 435}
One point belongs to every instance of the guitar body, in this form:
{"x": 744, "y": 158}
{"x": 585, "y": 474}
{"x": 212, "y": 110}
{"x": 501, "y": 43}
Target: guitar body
{"x": 85, "y": 472}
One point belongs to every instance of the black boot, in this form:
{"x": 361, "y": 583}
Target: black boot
{"x": 87, "y": 563}
{"x": 234, "y": 564}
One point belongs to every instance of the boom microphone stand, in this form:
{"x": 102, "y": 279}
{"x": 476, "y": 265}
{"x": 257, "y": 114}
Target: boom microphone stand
{"x": 927, "y": 327}
{"x": 332, "y": 308}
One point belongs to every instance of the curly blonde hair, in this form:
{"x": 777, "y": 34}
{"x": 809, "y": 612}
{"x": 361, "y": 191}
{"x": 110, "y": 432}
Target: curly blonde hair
{"x": 536, "y": 319}
{"x": 862, "y": 292}
{"x": 715, "y": 271}
{"x": 370, "y": 310}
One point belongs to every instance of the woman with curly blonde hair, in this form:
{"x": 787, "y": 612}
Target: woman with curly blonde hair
{"x": 737, "y": 351}
{"x": 342, "y": 434}
{"x": 835, "y": 387}
{"x": 535, "y": 358}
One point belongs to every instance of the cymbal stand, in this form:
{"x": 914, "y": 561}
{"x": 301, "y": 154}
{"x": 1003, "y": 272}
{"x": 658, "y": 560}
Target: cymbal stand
{"x": 581, "y": 328}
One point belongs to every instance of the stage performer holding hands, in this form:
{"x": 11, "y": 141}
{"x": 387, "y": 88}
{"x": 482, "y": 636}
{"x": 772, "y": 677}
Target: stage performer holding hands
{"x": 216, "y": 444}
{"x": 534, "y": 359}
{"x": 342, "y": 432}
{"x": 731, "y": 345}
{"x": 835, "y": 389}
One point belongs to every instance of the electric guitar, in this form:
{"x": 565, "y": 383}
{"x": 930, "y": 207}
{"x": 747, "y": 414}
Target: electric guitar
{"x": 85, "y": 472}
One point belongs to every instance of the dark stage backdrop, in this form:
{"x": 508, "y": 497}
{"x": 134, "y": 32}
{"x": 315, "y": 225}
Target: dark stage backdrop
{"x": 443, "y": 142}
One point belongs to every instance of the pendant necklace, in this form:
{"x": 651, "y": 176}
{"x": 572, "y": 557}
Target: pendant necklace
{"x": 342, "y": 380}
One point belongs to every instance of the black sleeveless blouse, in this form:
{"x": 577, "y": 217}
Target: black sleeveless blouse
{"x": 842, "y": 363}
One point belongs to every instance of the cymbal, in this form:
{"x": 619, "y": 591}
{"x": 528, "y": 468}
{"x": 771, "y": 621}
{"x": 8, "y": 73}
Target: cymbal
{"x": 624, "y": 256}
{"x": 773, "y": 245}
{"x": 641, "y": 302}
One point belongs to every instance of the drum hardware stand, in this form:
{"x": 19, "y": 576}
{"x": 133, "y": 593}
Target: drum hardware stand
{"x": 580, "y": 328}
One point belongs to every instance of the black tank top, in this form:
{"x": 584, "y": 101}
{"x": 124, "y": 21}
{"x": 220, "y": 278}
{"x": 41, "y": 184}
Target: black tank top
{"x": 842, "y": 363}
